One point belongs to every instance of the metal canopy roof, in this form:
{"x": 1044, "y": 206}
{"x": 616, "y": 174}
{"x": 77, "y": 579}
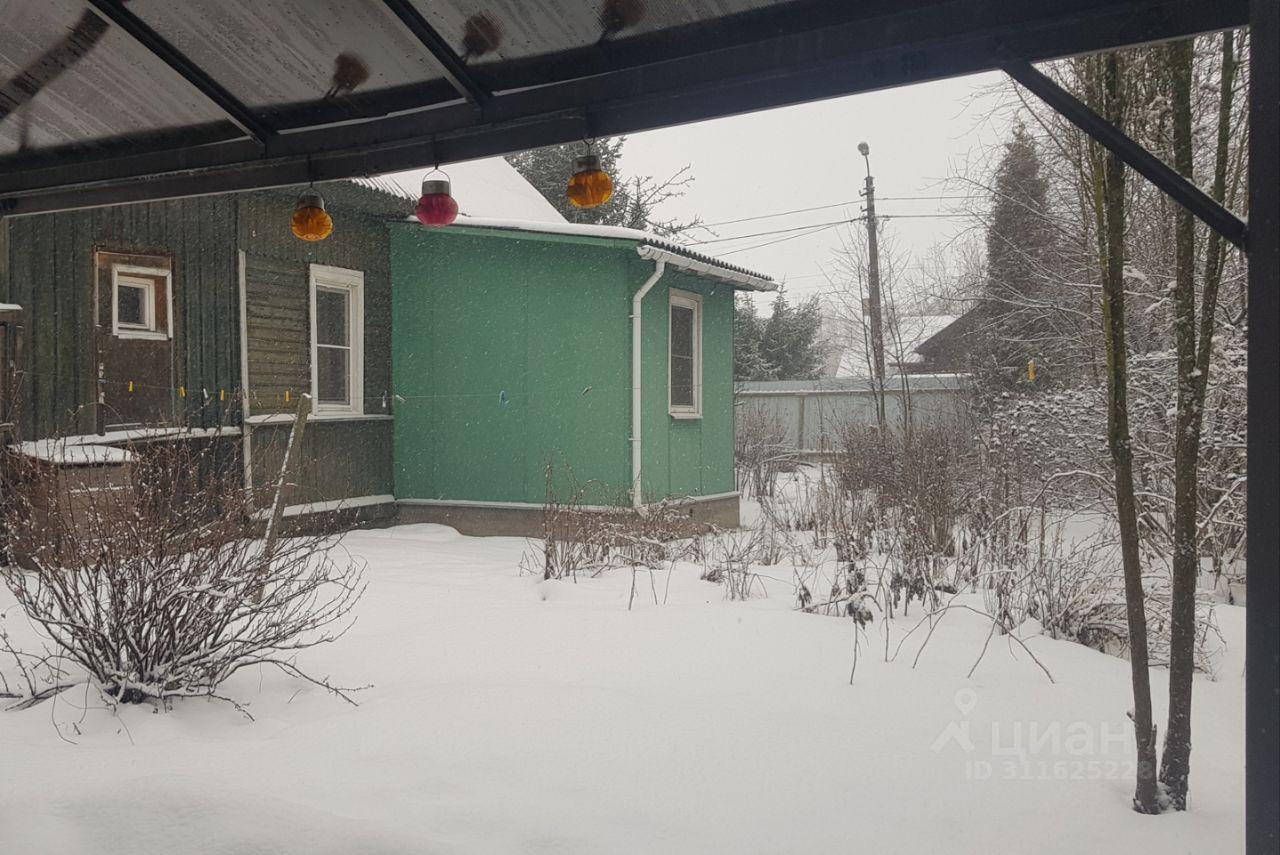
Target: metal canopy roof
{"x": 107, "y": 101}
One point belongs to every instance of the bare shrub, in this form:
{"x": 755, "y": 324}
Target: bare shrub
{"x": 574, "y": 539}
{"x": 580, "y": 539}
{"x": 1074, "y": 588}
{"x": 158, "y": 587}
{"x": 761, "y": 450}
{"x": 728, "y": 560}
{"x": 906, "y": 489}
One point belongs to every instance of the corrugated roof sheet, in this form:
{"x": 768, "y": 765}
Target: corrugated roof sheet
{"x": 615, "y": 232}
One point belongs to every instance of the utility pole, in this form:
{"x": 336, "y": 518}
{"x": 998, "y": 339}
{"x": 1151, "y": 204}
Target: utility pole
{"x": 873, "y": 289}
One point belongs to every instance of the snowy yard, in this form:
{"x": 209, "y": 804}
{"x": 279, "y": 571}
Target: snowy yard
{"x": 508, "y": 714}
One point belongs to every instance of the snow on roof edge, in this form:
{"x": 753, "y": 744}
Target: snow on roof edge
{"x": 742, "y": 275}
{"x": 705, "y": 265}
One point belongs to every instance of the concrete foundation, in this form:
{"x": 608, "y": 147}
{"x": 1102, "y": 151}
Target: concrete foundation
{"x": 489, "y": 520}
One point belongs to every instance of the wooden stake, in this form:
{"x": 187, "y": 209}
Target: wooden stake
{"x": 277, "y": 500}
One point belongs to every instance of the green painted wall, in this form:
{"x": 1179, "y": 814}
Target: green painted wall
{"x": 512, "y": 351}
{"x": 686, "y": 457}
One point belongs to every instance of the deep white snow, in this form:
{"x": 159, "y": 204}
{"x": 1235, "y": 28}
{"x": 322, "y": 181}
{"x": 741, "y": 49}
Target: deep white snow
{"x": 508, "y": 714}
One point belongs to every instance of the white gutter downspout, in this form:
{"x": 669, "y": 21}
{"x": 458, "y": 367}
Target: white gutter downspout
{"x": 659, "y": 267}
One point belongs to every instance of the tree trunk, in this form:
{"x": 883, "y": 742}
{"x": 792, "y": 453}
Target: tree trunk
{"x": 1193, "y": 377}
{"x": 1119, "y": 441}
{"x": 1176, "y": 762}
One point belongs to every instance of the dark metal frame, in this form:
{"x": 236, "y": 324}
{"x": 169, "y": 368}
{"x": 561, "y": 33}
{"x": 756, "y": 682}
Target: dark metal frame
{"x": 1262, "y": 642}
{"x": 1142, "y": 161}
{"x": 449, "y": 63}
{"x": 886, "y": 44}
{"x": 238, "y": 114}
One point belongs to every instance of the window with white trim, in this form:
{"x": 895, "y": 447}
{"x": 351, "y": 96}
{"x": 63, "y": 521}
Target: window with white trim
{"x": 337, "y": 346}
{"x": 140, "y": 306}
{"x": 684, "y": 352}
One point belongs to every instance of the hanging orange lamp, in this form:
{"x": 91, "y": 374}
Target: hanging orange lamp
{"x": 437, "y": 207}
{"x": 311, "y": 221}
{"x": 589, "y": 186}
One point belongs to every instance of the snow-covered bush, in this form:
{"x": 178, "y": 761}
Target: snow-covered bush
{"x": 161, "y": 588}
{"x": 1072, "y": 585}
{"x": 1053, "y": 444}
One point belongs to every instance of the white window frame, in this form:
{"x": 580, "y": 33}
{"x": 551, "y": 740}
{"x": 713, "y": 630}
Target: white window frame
{"x": 688, "y": 300}
{"x": 144, "y": 278}
{"x": 352, "y": 282}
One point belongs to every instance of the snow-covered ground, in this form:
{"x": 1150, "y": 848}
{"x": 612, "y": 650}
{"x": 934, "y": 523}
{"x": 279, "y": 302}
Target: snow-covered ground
{"x": 508, "y": 714}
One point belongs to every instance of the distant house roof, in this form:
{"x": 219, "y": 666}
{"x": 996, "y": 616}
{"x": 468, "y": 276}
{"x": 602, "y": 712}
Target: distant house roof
{"x": 903, "y": 341}
{"x": 961, "y": 327}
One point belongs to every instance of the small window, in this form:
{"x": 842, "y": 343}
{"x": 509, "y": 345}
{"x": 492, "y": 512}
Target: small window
{"x": 337, "y": 364}
{"x": 139, "y": 306}
{"x": 685, "y": 352}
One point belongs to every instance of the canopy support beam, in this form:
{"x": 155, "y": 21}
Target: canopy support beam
{"x": 1262, "y": 638}
{"x": 1182, "y": 191}
{"x": 779, "y": 68}
{"x": 155, "y": 44}
{"x": 450, "y": 64}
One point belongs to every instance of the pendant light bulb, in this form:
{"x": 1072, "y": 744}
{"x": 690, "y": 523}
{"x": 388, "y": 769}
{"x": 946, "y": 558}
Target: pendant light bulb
{"x": 311, "y": 222}
{"x": 589, "y": 186}
{"x": 437, "y": 207}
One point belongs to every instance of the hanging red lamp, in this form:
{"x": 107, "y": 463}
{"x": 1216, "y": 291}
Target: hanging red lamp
{"x": 589, "y": 186}
{"x": 437, "y": 207}
{"x": 311, "y": 222}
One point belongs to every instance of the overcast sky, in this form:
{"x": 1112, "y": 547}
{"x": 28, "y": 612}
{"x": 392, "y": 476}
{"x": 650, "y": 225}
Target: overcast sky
{"x": 806, "y": 156}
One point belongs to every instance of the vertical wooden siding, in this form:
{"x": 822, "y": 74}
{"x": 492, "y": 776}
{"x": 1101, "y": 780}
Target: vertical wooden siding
{"x": 278, "y": 330}
{"x": 49, "y": 271}
{"x": 341, "y": 458}
{"x": 278, "y": 296}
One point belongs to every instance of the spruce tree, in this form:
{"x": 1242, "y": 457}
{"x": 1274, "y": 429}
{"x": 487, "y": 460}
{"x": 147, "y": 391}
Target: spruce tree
{"x": 789, "y": 340}
{"x": 748, "y": 362}
{"x": 1019, "y": 323}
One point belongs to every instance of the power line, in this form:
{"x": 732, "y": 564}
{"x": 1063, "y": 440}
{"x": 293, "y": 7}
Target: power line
{"x": 813, "y": 230}
{"x": 938, "y": 216}
{"x": 935, "y": 216}
{"x": 782, "y": 213}
{"x": 775, "y": 231}
{"x": 825, "y": 207}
